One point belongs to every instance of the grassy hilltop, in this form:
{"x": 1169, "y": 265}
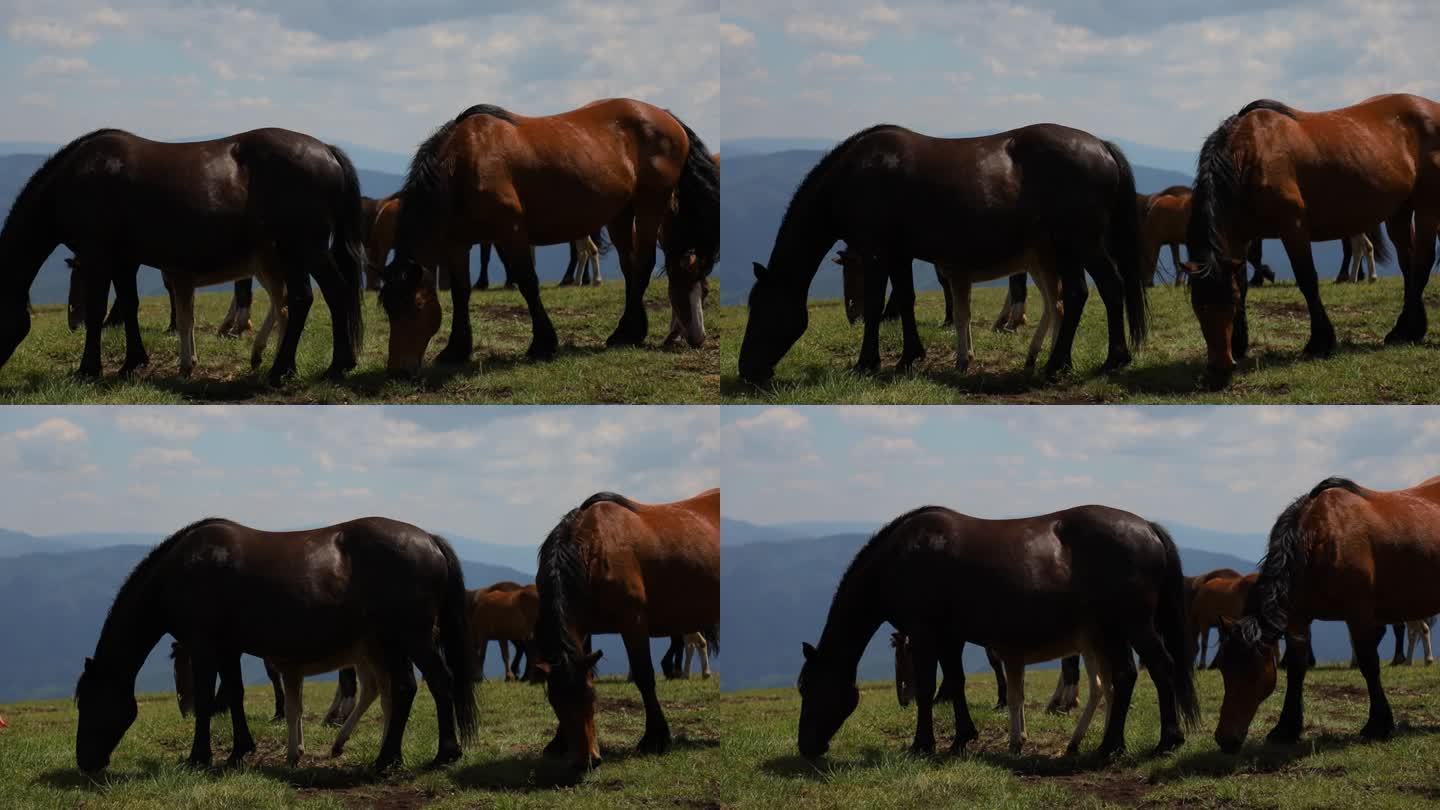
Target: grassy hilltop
{"x": 584, "y": 370}
{"x": 502, "y": 770}
{"x": 1167, "y": 369}
{"x": 867, "y": 765}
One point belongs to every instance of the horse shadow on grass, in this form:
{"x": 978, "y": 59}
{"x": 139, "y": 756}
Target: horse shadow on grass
{"x": 1264, "y": 757}
{"x": 73, "y": 779}
{"x": 529, "y": 771}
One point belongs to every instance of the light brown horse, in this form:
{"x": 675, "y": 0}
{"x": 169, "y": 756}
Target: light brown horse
{"x": 1273, "y": 171}
{"x": 1338, "y": 553}
{"x": 380, "y": 216}
{"x": 1216, "y": 598}
{"x": 492, "y": 176}
{"x": 616, "y": 566}
{"x": 1164, "y": 218}
{"x": 504, "y": 612}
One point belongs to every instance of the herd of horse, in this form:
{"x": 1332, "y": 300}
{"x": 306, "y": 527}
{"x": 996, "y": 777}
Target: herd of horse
{"x": 284, "y": 208}
{"x": 1107, "y": 586}
{"x": 376, "y": 598}
{"x": 1058, "y": 204}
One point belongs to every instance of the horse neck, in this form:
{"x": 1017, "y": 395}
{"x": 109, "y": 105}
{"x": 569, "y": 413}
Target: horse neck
{"x": 852, "y": 621}
{"x": 802, "y": 242}
{"x": 25, "y": 242}
{"x": 132, "y": 629}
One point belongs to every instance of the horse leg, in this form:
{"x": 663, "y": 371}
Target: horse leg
{"x": 925, "y": 657}
{"x": 275, "y": 290}
{"x": 656, "y": 739}
{"x": 949, "y": 299}
{"x": 1074, "y": 292}
{"x": 96, "y": 283}
{"x": 294, "y": 715}
{"x": 243, "y": 296}
{"x": 298, "y": 298}
{"x": 127, "y": 301}
{"x": 1292, "y": 714}
{"x": 1381, "y": 721}
{"x": 952, "y": 663}
{"x": 1015, "y": 687}
{"x": 1175, "y": 257}
{"x": 1093, "y": 668}
{"x": 1411, "y": 326}
{"x": 441, "y": 686}
{"x": 998, "y": 667}
{"x": 1346, "y": 254}
{"x": 903, "y": 297}
{"x": 568, "y": 280}
{"x": 481, "y": 647}
{"x": 1302, "y": 262}
{"x": 1107, "y": 283}
{"x": 519, "y": 258}
{"x": 1120, "y": 664}
{"x": 875, "y": 279}
{"x": 1205, "y": 645}
{"x": 1424, "y": 632}
{"x": 1151, "y": 649}
{"x": 505, "y": 660}
{"x": 232, "y": 683}
{"x": 401, "y": 674}
{"x": 185, "y": 324}
{"x": 1399, "y": 658}
{"x": 279, "y": 689}
{"x": 339, "y": 296}
{"x": 1263, "y": 273}
{"x": 704, "y": 653}
{"x": 370, "y": 688}
{"x": 1049, "y": 286}
{"x": 483, "y": 282}
{"x": 202, "y": 673}
{"x": 960, "y": 301}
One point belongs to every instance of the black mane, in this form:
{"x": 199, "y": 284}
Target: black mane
{"x": 427, "y": 180}
{"x": 142, "y": 569}
{"x": 28, "y": 191}
{"x": 1216, "y": 180}
{"x": 877, "y": 542}
{"x": 1268, "y": 605}
{"x": 812, "y": 178}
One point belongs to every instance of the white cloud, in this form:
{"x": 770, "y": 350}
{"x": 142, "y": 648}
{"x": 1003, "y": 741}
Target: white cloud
{"x": 883, "y": 417}
{"x": 55, "y": 429}
{"x": 57, "y": 66}
{"x": 735, "y": 36}
{"x": 828, "y": 30}
{"x": 163, "y": 457}
{"x": 50, "y": 33}
{"x": 162, "y": 423}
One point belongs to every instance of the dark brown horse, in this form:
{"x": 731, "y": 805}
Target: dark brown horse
{"x": 616, "y": 566}
{"x": 491, "y": 176}
{"x": 203, "y": 210}
{"x": 1092, "y": 579}
{"x": 1043, "y": 198}
{"x": 339, "y": 709}
{"x": 1273, "y": 171}
{"x": 1341, "y": 552}
{"x": 307, "y": 602}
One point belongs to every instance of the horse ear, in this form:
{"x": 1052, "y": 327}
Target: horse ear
{"x": 759, "y": 270}
{"x": 88, "y": 662}
{"x": 807, "y": 650}
{"x": 593, "y": 658}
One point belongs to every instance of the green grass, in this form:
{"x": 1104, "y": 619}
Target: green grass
{"x": 584, "y": 371}
{"x": 503, "y": 769}
{"x": 1166, "y": 370}
{"x": 868, "y": 766}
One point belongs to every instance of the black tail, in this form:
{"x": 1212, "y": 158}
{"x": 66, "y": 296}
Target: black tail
{"x": 455, "y": 643}
{"x": 1216, "y": 182}
{"x": 712, "y": 638}
{"x": 347, "y": 249}
{"x": 1171, "y": 621}
{"x": 1125, "y": 247}
{"x": 695, "y": 225}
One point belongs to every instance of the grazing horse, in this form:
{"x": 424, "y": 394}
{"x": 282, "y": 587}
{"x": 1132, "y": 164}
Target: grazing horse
{"x": 204, "y": 212}
{"x": 1419, "y": 632}
{"x": 585, "y": 254}
{"x": 1049, "y": 284}
{"x": 612, "y": 565}
{"x": 308, "y": 602}
{"x": 380, "y": 216}
{"x": 504, "y": 612}
{"x": 236, "y": 323}
{"x": 1047, "y": 199}
{"x": 1092, "y": 579}
{"x": 1340, "y": 552}
{"x": 852, "y": 268}
{"x": 1359, "y": 250}
{"x": 491, "y": 176}
{"x": 1216, "y": 597}
{"x": 1163, "y": 219}
{"x": 1273, "y": 171}
{"x": 182, "y": 295}
{"x": 1064, "y": 699}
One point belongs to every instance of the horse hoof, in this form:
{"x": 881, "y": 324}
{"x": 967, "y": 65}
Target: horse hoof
{"x": 336, "y": 751}
{"x": 1168, "y": 744}
{"x": 1283, "y": 736}
{"x": 656, "y": 744}
{"x": 454, "y": 354}
{"x": 622, "y": 338}
{"x": 255, "y": 361}
{"x": 386, "y": 764}
{"x": 280, "y": 376}
{"x": 1377, "y": 731}
{"x": 922, "y": 749}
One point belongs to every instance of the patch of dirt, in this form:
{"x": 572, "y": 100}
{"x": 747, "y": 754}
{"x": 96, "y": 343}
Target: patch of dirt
{"x": 1340, "y": 691}
{"x": 385, "y": 797}
{"x": 1282, "y": 309}
{"x": 1116, "y": 788}
{"x": 1423, "y": 791}
{"x": 609, "y": 704}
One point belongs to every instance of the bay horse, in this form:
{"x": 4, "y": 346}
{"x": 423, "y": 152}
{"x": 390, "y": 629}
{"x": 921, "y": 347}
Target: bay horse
{"x": 308, "y": 602}
{"x": 1042, "y": 198}
{"x": 612, "y": 565}
{"x": 236, "y": 323}
{"x": 204, "y": 212}
{"x": 1164, "y": 216}
{"x": 503, "y": 614}
{"x": 182, "y": 296}
{"x": 1090, "y": 579}
{"x": 380, "y": 215}
{"x": 489, "y": 175}
{"x": 1340, "y": 552}
{"x": 1274, "y": 171}
{"x": 1216, "y": 597}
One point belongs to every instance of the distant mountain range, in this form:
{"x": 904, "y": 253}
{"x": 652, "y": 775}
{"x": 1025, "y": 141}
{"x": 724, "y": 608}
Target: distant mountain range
{"x": 774, "y": 594}
{"x": 757, "y": 186}
{"x": 381, "y": 174}
{"x": 55, "y": 592}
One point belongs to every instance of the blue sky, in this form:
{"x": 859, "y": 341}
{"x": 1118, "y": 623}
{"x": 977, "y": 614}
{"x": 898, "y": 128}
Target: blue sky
{"x": 1227, "y": 468}
{"x": 1156, "y": 73}
{"x": 501, "y": 474}
{"x": 375, "y": 72}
